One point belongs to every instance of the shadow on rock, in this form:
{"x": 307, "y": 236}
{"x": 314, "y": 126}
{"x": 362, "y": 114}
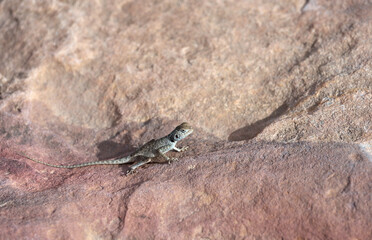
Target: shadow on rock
{"x": 109, "y": 149}
{"x": 252, "y": 130}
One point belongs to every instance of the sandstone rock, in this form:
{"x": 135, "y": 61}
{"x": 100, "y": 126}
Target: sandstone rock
{"x": 279, "y": 93}
{"x": 258, "y": 190}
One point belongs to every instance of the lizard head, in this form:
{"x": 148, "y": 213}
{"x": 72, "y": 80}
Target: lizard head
{"x": 181, "y": 131}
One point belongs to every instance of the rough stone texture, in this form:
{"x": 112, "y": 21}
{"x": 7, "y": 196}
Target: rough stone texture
{"x": 255, "y": 191}
{"x": 279, "y": 92}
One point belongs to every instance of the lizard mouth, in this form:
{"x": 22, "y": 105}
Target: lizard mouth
{"x": 189, "y": 131}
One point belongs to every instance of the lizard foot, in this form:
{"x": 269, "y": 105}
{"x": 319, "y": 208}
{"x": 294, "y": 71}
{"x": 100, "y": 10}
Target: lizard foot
{"x": 130, "y": 171}
{"x": 184, "y": 148}
{"x": 172, "y": 160}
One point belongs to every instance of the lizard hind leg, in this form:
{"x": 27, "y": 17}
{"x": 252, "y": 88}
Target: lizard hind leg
{"x": 137, "y": 165}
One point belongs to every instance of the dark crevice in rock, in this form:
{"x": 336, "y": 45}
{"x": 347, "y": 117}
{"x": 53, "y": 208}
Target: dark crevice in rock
{"x": 347, "y": 186}
{"x": 125, "y": 199}
{"x": 304, "y": 6}
{"x": 13, "y": 18}
{"x": 310, "y": 51}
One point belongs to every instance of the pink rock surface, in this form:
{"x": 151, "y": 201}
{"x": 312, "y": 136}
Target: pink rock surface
{"x": 279, "y": 94}
{"x": 256, "y": 190}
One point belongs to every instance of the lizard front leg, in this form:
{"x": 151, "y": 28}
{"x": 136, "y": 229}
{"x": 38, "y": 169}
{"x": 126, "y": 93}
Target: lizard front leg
{"x": 180, "y": 150}
{"x": 166, "y": 157}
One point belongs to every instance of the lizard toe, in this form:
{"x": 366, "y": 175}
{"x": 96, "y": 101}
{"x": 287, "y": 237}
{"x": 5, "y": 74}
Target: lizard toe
{"x": 172, "y": 160}
{"x": 184, "y": 148}
{"x": 130, "y": 171}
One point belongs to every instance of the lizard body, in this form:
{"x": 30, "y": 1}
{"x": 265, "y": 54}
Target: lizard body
{"x": 153, "y": 148}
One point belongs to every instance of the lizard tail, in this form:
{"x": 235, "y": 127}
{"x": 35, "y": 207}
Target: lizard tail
{"x": 107, "y": 162}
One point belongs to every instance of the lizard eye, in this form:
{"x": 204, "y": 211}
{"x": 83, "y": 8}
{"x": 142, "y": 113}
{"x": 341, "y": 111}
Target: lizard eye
{"x": 183, "y": 130}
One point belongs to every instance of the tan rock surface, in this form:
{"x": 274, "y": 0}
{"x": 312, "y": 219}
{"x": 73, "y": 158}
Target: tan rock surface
{"x": 279, "y": 93}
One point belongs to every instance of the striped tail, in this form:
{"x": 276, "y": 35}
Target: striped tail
{"x": 107, "y": 162}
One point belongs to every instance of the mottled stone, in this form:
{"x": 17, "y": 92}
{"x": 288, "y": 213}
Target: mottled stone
{"x": 279, "y": 94}
{"x": 267, "y": 190}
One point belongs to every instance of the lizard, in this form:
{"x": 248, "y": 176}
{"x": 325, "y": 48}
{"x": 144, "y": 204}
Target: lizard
{"x": 151, "y": 149}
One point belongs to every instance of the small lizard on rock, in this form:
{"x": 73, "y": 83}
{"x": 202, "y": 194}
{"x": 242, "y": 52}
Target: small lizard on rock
{"x": 154, "y": 148}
